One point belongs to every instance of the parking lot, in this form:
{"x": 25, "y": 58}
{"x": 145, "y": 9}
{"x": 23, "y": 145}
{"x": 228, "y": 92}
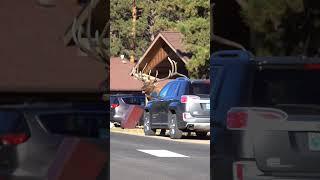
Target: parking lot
{"x": 144, "y": 158}
{"x": 192, "y": 138}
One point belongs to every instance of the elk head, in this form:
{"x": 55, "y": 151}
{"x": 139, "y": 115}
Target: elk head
{"x": 150, "y": 82}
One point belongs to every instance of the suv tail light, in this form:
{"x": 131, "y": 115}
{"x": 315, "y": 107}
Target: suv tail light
{"x": 238, "y": 171}
{"x": 245, "y": 170}
{"x": 238, "y": 118}
{"x": 113, "y": 106}
{"x": 14, "y": 139}
{"x": 312, "y": 66}
{"x": 187, "y": 98}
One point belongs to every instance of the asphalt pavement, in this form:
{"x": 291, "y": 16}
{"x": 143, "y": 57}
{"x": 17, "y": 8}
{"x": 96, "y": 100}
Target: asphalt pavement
{"x": 145, "y": 158}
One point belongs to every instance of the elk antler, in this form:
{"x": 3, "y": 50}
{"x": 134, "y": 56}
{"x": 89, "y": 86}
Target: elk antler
{"x": 97, "y": 47}
{"x": 150, "y": 82}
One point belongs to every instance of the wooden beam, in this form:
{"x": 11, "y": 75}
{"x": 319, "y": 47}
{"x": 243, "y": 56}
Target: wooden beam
{"x": 159, "y": 57}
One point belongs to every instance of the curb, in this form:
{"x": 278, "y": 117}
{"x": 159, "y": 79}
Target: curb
{"x": 139, "y": 132}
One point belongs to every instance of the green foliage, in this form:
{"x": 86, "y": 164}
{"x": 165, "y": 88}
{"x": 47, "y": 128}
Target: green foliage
{"x": 189, "y": 17}
{"x": 282, "y": 27}
{"x": 197, "y": 40}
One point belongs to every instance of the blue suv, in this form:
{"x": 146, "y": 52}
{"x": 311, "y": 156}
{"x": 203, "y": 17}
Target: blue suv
{"x": 183, "y": 105}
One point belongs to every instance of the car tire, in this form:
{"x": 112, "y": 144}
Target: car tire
{"x": 148, "y": 131}
{"x": 174, "y": 131}
{"x": 202, "y": 134}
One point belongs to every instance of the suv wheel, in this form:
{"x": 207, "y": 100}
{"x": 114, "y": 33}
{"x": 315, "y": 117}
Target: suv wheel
{"x": 147, "y": 125}
{"x": 174, "y": 131}
{"x": 201, "y": 134}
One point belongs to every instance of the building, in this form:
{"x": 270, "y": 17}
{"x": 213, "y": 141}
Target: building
{"x": 121, "y": 82}
{"x": 166, "y": 44}
{"x": 35, "y": 57}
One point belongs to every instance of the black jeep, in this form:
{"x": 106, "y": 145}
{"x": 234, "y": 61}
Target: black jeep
{"x": 265, "y": 117}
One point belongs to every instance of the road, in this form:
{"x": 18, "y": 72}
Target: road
{"x": 131, "y": 159}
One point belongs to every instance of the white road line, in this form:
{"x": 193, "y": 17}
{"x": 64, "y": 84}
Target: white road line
{"x": 161, "y": 153}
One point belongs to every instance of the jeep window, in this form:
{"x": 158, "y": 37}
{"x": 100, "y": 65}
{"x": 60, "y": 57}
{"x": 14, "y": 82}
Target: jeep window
{"x": 286, "y": 88}
{"x": 164, "y": 90}
{"x": 199, "y": 88}
{"x": 75, "y": 124}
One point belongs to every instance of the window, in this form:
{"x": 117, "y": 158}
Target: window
{"x": 200, "y": 88}
{"x": 75, "y": 124}
{"x": 12, "y": 122}
{"x": 173, "y": 90}
{"x": 114, "y": 100}
{"x": 286, "y": 89}
{"x": 164, "y": 90}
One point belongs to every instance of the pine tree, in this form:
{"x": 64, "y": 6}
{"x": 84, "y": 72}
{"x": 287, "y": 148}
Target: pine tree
{"x": 189, "y": 17}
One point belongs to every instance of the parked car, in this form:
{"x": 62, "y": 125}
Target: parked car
{"x": 30, "y": 135}
{"x": 183, "y": 105}
{"x": 120, "y": 105}
{"x": 265, "y": 117}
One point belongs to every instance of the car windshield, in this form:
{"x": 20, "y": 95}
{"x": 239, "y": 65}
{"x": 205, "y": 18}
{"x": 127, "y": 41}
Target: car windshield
{"x": 287, "y": 88}
{"x": 200, "y": 88}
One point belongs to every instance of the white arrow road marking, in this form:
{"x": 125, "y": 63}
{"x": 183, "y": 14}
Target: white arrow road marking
{"x": 161, "y": 153}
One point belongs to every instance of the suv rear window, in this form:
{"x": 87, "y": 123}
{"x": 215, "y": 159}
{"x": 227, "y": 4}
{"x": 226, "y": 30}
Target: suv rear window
{"x": 75, "y": 124}
{"x": 199, "y": 88}
{"x": 12, "y": 122}
{"x": 286, "y": 87}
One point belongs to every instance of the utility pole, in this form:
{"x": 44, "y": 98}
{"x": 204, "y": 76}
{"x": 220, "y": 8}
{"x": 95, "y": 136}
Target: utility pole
{"x": 134, "y": 19}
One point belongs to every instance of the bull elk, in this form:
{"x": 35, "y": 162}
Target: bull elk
{"x": 150, "y": 82}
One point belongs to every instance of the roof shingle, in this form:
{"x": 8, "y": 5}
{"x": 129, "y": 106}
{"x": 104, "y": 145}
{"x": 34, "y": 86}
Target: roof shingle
{"x": 120, "y": 79}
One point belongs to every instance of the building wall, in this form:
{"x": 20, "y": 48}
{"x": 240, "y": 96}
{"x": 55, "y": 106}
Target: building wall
{"x": 32, "y": 52}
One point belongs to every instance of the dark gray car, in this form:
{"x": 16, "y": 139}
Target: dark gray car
{"x": 265, "y": 117}
{"x": 120, "y": 105}
{"x": 30, "y": 136}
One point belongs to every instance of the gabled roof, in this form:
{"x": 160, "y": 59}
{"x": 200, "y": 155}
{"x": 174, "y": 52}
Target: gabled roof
{"x": 174, "y": 40}
{"x": 120, "y": 79}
